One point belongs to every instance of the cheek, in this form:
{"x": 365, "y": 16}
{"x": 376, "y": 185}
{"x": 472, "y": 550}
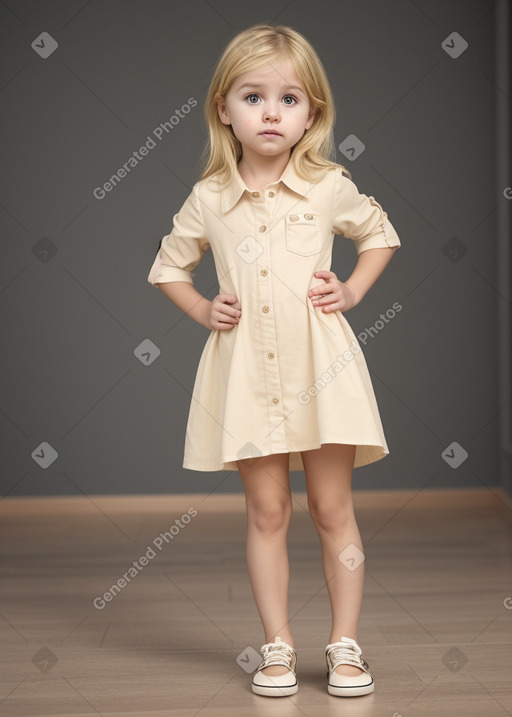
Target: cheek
{"x": 305, "y": 118}
{"x": 240, "y": 116}
{"x": 240, "y": 123}
{"x": 246, "y": 122}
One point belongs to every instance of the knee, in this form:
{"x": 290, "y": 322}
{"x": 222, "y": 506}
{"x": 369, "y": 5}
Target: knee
{"x": 271, "y": 517}
{"x": 331, "y": 518}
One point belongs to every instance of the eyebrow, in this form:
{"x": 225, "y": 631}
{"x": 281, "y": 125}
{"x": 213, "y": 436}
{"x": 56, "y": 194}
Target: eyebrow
{"x": 258, "y": 87}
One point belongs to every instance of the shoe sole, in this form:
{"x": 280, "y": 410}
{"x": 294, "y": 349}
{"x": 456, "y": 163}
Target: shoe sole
{"x": 355, "y": 691}
{"x": 276, "y": 691}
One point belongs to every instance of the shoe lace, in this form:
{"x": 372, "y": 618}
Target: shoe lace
{"x": 276, "y": 653}
{"x": 346, "y": 654}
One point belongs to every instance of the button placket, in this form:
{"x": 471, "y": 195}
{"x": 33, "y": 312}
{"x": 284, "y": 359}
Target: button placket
{"x": 276, "y": 433}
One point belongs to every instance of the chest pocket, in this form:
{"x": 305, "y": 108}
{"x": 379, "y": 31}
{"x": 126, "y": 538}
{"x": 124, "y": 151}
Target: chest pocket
{"x": 303, "y": 234}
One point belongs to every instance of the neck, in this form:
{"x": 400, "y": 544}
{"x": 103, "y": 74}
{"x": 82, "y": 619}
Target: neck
{"x": 255, "y": 168}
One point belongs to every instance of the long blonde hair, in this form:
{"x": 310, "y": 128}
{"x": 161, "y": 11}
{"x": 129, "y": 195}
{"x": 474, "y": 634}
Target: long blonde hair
{"x": 253, "y": 48}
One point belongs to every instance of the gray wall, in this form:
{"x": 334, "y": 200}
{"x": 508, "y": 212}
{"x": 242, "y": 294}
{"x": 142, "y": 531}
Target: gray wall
{"x": 74, "y": 297}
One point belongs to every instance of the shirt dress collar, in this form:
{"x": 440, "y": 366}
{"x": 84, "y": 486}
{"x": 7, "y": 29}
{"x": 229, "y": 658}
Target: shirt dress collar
{"x": 237, "y": 187}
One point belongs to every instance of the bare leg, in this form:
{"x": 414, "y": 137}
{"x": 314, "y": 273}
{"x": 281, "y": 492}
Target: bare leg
{"x": 269, "y": 507}
{"x": 328, "y": 472}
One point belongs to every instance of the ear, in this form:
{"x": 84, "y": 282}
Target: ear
{"x": 311, "y": 118}
{"x": 223, "y": 112}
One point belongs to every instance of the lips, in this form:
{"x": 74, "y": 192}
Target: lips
{"x": 272, "y": 133}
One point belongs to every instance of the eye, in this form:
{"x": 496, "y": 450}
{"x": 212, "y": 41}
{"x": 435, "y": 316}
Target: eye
{"x": 253, "y": 94}
{"x": 291, "y": 97}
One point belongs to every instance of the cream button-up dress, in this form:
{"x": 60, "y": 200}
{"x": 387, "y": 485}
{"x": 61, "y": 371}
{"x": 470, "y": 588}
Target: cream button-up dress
{"x": 287, "y": 377}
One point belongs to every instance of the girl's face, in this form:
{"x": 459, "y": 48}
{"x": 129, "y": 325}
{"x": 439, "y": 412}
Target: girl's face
{"x": 268, "y": 110}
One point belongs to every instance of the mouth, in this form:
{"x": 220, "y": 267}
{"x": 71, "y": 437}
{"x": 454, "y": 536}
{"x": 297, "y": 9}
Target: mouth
{"x": 271, "y": 133}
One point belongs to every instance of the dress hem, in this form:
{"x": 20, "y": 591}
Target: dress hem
{"x": 193, "y": 466}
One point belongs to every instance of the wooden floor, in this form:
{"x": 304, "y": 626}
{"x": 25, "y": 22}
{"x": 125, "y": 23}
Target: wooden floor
{"x": 436, "y": 623}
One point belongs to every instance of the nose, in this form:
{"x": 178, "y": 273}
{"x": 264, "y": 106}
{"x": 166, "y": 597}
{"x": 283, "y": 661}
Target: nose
{"x": 271, "y": 110}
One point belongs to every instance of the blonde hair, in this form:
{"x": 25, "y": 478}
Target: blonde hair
{"x": 253, "y": 48}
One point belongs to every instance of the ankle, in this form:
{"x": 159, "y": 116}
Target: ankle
{"x": 336, "y": 636}
{"x": 284, "y": 637}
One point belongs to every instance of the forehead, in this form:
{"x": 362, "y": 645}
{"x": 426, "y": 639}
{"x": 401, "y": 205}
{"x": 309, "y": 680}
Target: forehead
{"x": 275, "y": 72}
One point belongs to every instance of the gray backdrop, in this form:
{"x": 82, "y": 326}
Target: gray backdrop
{"x": 75, "y": 303}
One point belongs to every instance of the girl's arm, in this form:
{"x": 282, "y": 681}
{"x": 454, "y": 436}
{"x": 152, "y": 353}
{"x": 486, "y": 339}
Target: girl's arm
{"x": 186, "y": 297}
{"x": 370, "y": 265}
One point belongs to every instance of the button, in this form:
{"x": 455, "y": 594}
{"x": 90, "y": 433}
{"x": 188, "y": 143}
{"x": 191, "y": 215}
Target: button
{"x": 263, "y": 272}
{"x": 308, "y": 216}
{"x": 293, "y": 217}
{"x": 265, "y": 309}
{"x": 270, "y": 355}
{"x": 255, "y": 194}
{"x": 263, "y": 228}
{"x": 271, "y": 194}
{"x": 275, "y": 400}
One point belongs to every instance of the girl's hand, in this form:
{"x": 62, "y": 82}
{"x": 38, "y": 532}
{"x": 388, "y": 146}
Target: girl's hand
{"x": 222, "y": 313}
{"x": 336, "y": 295}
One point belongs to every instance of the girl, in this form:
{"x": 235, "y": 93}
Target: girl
{"x": 282, "y": 383}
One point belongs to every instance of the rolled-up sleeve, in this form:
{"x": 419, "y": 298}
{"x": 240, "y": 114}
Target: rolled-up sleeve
{"x": 361, "y": 218}
{"x": 181, "y": 250}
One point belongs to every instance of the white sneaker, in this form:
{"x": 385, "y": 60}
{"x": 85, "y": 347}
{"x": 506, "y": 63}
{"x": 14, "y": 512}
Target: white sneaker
{"x": 347, "y": 652}
{"x": 276, "y": 653}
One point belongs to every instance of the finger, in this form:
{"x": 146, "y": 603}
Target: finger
{"x": 332, "y": 306}
{"x": 227, "y": 317}
{"x": 317, "y": 298}
{"x": 230, "y": 310}
{"x": 235, "y": 304}
{"x": 324, "y": 302}
{"x": 320, "y": 290}
{"x": 219, "y": 325}
{"x": 228, "y": 298}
